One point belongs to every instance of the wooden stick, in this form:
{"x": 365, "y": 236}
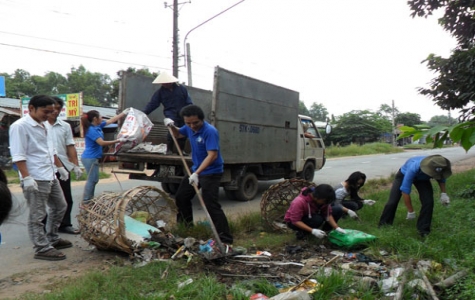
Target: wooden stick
{"x": 400, "y": 288}
{"x": 203, "y": 205}
{"x": 309, "y": 276}
{"x": 428, "y": 284}
{"x": 450, "y": 281}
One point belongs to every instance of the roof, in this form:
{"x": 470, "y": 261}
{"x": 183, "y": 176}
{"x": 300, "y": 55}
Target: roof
{"x": 106, "y": 112}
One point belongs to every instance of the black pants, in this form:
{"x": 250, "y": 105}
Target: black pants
{"x": 426, "y": 196}
{"x": 316, "y": 221}
{"x": 209, "y": 185}
{"x": 66, "y": 187}
{"x": 354, "y": 205}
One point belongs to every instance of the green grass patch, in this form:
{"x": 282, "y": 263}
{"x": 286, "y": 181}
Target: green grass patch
{"x": 356, "y": 150}
{"x": 12, "y": 176}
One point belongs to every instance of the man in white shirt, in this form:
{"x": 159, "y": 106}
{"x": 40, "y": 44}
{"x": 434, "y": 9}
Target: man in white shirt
{"x": 32, "y": 150}
{"x": 67, "y": 154}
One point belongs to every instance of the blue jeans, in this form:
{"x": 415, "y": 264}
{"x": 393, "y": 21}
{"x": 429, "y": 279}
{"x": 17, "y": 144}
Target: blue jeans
{"x": 91, "y": 165}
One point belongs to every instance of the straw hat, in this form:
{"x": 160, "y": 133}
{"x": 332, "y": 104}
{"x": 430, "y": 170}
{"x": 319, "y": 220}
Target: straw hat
{"x": 436, "y": 166}
{"x": 164, "y": 77}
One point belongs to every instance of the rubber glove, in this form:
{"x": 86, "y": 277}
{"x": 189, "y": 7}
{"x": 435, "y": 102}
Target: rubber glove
{"x": 77, "y": 171}
{"x": 194, "y": 179}
{"x": 319, "y": 233}
{"x": 444, "y": 199}
{"x": 340, "y": 230}
{"x": 369, "y": 202}
{"x": 352, "y": 214}
{"x": 126, "y": 111}
{"x": 29, "y": 184}
{"x": 168, "y": 122}
{"x": 122, "y": 140}
{"x": 411, "y": 215}
{"x": 63, "y": 174}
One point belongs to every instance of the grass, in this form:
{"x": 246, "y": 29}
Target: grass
{"x": 356, "y": 150}
{"x": 450, "y": 244}
{"x": 13, "y": 178}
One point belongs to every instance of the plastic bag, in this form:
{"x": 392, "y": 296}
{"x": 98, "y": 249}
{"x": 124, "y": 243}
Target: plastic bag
{"x": 135, "y": 129}
{"x": 350, "y": 239}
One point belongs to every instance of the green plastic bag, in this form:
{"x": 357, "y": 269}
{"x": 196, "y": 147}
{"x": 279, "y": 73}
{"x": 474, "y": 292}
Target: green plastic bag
{"x": 350, "y": 239}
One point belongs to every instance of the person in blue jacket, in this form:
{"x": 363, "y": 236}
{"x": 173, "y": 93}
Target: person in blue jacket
{"x": 173, "y": 97}
{"x": 418, "y": 170}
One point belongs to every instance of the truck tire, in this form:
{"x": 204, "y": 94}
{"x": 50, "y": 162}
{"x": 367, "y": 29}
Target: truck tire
{"x": 247, "y": 187}
{"x": 230, "y": 194}
{"x": 308, "y": 172}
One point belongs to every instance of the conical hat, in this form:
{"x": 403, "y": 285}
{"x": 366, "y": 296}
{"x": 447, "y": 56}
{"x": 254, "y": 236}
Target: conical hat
{"x": 164, "y": 77}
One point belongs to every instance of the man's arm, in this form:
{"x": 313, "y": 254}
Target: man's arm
{"x": 21, "y": 165}
{"x": 153, "y": 104}
{"x": 210, "y": 158}
{"x": 442, "y": 187}
{"x": 72, "y": 154}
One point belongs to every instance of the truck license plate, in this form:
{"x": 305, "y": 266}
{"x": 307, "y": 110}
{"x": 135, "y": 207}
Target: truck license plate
{"x": 167, "y": 171}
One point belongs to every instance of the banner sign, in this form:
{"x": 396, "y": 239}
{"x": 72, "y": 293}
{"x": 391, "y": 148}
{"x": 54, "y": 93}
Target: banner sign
{"x": 3, "y": 92}
{"x": 72, "y": 108}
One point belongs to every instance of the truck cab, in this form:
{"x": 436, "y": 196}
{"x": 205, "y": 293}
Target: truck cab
{"x": 311, "y": 149}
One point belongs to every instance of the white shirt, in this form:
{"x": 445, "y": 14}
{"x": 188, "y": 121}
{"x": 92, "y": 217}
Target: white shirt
{"x": 62, "y": 138}
{"x": 30, "y": 141}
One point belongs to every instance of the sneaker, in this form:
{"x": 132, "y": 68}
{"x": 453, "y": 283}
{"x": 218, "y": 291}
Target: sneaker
{"x": 62, "y": 244}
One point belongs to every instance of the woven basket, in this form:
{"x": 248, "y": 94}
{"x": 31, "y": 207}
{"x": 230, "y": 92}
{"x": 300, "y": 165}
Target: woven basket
{"x": 102, "y": 221}
{"x": 276, "y": 200}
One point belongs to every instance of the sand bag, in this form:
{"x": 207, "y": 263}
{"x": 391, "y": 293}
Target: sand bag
{"x": 350, "y": 239}
{"x": 135, "y": 129}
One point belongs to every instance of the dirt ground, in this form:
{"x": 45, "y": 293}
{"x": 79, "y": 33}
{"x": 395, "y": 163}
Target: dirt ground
{"x": 81, "y": 258}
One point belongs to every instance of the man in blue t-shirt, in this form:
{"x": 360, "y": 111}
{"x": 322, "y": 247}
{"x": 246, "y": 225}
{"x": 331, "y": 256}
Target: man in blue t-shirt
{"x": 418, "y": 170}
{"x": 173, "y": 97}
{"x": 207, "y": 170}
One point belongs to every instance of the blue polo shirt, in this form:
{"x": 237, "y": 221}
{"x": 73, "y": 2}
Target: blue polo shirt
{"x": 172, "y": 100}
{"x": 204, "y": 140}
{"x": 412, "y": 171}
{"x": 93, "y": 149}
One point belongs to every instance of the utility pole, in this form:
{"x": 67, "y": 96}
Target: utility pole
{"x": 175, "y": 49}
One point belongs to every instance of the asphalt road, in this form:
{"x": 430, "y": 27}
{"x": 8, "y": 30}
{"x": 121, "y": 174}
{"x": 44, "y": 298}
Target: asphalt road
{"x": 16, "y": 246}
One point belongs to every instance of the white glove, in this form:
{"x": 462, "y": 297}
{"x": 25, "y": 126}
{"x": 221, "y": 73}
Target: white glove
{"x": 63, "y": 174}
{"x": 194, "y": 179}
{"x": 352, "y": 214}
{"x": 340, "y": 230}
{"x": 77, "y": 171}
{"x": 444, "y": 199}
{"x": 369, "y": 202}
{"x": 122, "y": 140}
{"x": 411, "y": 215}
{"x": 168, "y": 122}
{"x": 29, "y": 184}
{"x": 126, "y": 111}
{"x": 319, "y": 233}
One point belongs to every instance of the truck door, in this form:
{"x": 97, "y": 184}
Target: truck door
{"x": 313, "y": 146}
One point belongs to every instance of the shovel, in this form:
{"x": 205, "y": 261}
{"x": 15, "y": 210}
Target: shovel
{"x": 203, "y": 205}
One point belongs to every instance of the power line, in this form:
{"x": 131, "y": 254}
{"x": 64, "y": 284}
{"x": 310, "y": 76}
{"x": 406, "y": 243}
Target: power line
{"x": 79, "y": 44}
{"x": 83, "y": 56}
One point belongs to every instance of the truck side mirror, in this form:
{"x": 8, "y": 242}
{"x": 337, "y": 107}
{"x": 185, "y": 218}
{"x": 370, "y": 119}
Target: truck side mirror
{"x": 328, "y": 129}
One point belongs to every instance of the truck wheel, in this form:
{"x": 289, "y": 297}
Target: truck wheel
{"x": 308, "y": 171}
{"x": 247, "y": 188}
{"x": 230, "y": 194}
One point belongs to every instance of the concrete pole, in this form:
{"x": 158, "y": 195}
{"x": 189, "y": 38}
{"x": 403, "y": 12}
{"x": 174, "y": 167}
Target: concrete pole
{"x": 175, "y": 38}
{"x": 188, "y": 64}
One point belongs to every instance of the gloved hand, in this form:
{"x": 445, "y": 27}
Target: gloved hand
{"x": 319, "y": 233}
{"x": 411, "y": 215}
{"x": 352, "y": 214}
{"x": 194, "y": 179}
{"x": 126, "y": 111}
{"x": 122, "y": 140}
{"x": 369, "y": 202}
{"x": 63, "y": 174}
{"x": 341, "y": 230}
{"x": 168, "y": 122}
{"x": 29, "y": 184}
{"x": 444, "y": 199}
{"x": 77, "y": 171}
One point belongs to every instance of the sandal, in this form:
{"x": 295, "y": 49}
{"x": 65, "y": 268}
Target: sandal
{"x": 69, "y": 230}
{"x": 51, "y": 254}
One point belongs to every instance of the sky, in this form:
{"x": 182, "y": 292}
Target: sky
{"x": 347, "y": 54}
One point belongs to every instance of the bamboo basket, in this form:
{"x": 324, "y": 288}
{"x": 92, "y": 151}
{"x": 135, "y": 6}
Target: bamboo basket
{"x": 102, "y": 221}
{"x": 276, "y": 200}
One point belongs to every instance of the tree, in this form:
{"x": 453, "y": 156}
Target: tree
{"x": 408, "y": 119}
{"x": 454, "y": 86}
{"x": 359, "y": 127}
{"x": 96, "y": 87}
{"x": 318, "y": 112}
{"x": 441, "y": 120}
{"x": 19, "y": 84}
{"x": 303, "y": 108}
